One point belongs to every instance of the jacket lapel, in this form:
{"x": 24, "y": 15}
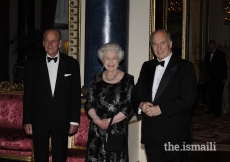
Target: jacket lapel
{"x": 169, "y": 71}
{"x": 149, "y": 80}
{"x": 45, "y": 75}
{"x": 60, "y": 74}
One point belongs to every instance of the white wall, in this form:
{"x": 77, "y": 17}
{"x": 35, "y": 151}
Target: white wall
{"x": 138, "y": 35}
{"x": 138, "y": 53}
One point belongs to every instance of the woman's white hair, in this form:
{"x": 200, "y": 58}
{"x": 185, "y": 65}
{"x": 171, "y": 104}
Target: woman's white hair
{"x": 110, "y": 46}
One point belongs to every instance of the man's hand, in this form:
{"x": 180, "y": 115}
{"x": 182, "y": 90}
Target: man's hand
{"x": 28, "y": 129}
{"x": 144, "y": 106}
{"x": 153, "y": 111}
{"x": 149, "y": 109}
{"x": 73, "y": 129}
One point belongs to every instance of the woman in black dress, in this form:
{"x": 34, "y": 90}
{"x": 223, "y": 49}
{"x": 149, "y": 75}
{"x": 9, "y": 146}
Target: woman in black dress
{"x": 109, "y": 95}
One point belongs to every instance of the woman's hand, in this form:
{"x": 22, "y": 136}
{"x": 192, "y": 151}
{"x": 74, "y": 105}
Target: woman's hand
{"x": 102, "y": 123}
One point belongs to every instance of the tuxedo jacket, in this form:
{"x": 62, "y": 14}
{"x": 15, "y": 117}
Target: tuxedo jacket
{"x": 216, "y": 70}
{"x": 44, "y": 110}
{"x": 175, "y": 96}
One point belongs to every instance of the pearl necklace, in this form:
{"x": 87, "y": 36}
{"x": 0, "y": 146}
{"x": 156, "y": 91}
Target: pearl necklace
{"x": 110, "y": 78}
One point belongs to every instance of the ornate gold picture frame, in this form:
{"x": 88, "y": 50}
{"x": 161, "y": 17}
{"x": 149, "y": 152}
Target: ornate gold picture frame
{"x": 181, "y": 7}
{"x": 74, "y": 27}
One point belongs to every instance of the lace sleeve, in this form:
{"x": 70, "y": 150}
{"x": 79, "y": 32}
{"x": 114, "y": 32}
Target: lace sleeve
{"x": 128, "y": 107}
{"x": 90, "y": 97}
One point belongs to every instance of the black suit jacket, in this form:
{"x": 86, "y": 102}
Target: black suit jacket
{"x": 216, "y": 70}
{"x": 175, "y": 96}
{"x": 43, "y": 110}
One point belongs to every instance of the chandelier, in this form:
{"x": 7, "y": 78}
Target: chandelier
{"x": 175, "y": 5}
{"x": 226, "y": 5}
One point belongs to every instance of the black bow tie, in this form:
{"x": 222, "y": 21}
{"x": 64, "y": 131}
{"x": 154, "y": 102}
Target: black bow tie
{"x": 50, "y": 58}
{"x": 160, "y": 63}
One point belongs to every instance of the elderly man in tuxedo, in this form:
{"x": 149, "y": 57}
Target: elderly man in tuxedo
{"x": 164, "y": 93}
{"x": 52, "y": 99}
{"x": 215, "y": 76}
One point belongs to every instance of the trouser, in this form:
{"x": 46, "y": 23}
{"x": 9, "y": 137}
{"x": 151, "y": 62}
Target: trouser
{"x": 159, "y": 153}
{"x": 216, "y": 94}
{"x": 59, "y": 144}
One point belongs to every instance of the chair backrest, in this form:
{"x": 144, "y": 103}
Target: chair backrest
{"x": 79, "y": 140}
{"x": 11, "y": 108}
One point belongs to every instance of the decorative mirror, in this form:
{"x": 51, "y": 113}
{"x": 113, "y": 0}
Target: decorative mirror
{"x": 175, "y": 18}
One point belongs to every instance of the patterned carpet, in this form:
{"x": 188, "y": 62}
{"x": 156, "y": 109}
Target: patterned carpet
{"x": 207, "y": 128}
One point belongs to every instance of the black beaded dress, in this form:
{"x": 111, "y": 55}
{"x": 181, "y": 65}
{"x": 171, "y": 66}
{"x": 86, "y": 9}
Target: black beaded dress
{"x": 108, "y": 100}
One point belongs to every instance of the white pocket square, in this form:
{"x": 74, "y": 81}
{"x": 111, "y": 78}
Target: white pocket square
{"x": 67, "y": 75}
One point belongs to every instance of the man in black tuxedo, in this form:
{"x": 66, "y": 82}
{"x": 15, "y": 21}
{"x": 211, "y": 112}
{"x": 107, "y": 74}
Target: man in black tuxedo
{"x": 215, "y": 77}
{"x": 52, "y": 99}
{"x": 165, "y": 93}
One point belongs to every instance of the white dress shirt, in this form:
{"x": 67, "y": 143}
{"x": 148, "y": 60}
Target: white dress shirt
{"x": 212, "y": 55}
{"x": 53, "y": 69}
{"x": 158, "y": 75}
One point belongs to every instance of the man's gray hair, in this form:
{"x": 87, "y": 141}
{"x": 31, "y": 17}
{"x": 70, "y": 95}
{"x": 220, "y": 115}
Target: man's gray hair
{"x": 167, "y": 32}
{"x": 56, "y": 30}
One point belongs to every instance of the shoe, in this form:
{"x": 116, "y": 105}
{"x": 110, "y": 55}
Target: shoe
{"x": 209, "y": 112}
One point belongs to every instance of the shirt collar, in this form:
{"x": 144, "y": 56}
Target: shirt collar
{"x": 58, "y": 56}
{"x": 47, "y": 55}
{"x": 166, "y": 59}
